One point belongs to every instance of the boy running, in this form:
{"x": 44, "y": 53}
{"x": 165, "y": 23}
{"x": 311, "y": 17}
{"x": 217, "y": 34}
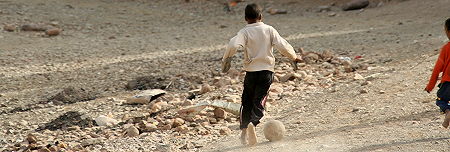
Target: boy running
{"x": 257, "y": 40}
{"x": 442, "y": 65}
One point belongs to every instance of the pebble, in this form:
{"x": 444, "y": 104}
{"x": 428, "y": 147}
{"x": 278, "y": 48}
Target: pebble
{"x": 358, "y": 77}
{"x": 9, "y": 28}
{"x": 31, "y": 139}
{"x": 53, "y": 32}
{"x": 105, "y": 121}
{"x": 220, "y": 113}
{"x": 92, "y": 141}
{"x": 225, "y": 131}
{"x": 205, "y": 88}
{"x": 44, "y": 149}
{"x": 132, "y": 131}
{"x": 178, "y": 122}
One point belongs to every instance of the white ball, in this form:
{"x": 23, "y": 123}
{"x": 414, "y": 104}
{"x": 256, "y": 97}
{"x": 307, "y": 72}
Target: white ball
{"x": 274, "y": 130}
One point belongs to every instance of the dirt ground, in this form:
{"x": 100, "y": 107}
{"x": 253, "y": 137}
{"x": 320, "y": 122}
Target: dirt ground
{"x": 106, "y": 43}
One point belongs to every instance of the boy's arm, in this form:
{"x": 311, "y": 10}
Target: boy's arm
{"x": 237, "y": 42}
{"x": 438, "y": 67}
{"x": 283, "y": 46}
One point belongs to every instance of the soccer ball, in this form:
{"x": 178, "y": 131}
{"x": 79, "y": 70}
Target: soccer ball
{"x": 274, "y": 130}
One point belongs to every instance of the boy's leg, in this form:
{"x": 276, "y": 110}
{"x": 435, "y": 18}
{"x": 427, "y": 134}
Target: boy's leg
{"x": 246, "y": 106}
{"x": 261, "y": 89}
{"x": 446, "y": 122}
{"x": 252, "y": 140}
{"x": 244, "y": 136}
{"x": 445, "y": 108}
{"x": 260, "y": 97}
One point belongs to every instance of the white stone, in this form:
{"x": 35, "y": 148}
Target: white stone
{"x": 105, "y": 121}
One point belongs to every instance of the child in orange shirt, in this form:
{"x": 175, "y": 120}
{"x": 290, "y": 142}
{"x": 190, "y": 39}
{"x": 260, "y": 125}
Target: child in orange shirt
{"x": 442, "y": 65}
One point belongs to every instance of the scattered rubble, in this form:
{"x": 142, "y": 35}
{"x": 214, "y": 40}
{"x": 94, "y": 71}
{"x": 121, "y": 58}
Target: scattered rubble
{"x": 71, "y": 95}
{"x": 145, "y": 96}
{"x": 68, "y": 119}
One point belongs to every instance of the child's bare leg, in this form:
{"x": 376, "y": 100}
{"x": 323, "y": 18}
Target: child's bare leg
{"x": 244, "y": 136}
{"x": 251, "y": 135}
{"x": 446, "y": 122}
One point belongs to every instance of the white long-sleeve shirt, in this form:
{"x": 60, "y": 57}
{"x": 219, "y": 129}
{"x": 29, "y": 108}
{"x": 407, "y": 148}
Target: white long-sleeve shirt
{"x": 258, "y": 40}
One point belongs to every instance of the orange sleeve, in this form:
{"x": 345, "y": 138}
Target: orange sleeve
{"x": 438, "y": 67}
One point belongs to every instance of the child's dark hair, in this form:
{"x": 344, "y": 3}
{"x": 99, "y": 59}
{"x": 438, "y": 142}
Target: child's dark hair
{"x": 447, "y": 24}
{"x": 253, "y": 11}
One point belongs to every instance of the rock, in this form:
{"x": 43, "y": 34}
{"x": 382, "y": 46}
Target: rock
{"x": 346, "y": 63}
{"x": 132, "y": 131}
{"x": 53, "y": 32}
{"x": 311, "y": 57}
{"x": 62, "y": 145}
{"x": 220, "y": 113}
{"x": 105, "y": 121}
{"x": 182, "y": 129}
{"x": 187, "y": 103}
{"x": 363, "y": 91}
{"x": 327, "y": 65}
{"x": 146, "y": 96}
{"x": 233, "y": 98}
{"x": 212, "y": 121}
{"x": 277, "y": 11}
{"x": 73, "y": 128}
{"x": 355, "y": 4}
{"x": 332, "y": 14}
{"x": 53, "y": 148}
{"x": 366, "y": 83}
{"x": 222, "y": 81}
{"x": 44, "y": 149}
{"x": 287, "y": 77}
{"x": 363, "y": 66}
{"x": 276, "y": 89}
{"x": 203, "y": 132}
{"x": 157, "y": 107}
{"x": 31, "y": 139}
{"x": 348, "y": 69}
{"x": 149, "y": 127}
{"x": 178, "y": 122}
{"x": 35, "y": 27}
{"x": 225, "y": 131}
{"x": 93, "y": 135}
{"x": 205, "y": 88}
{"x": 9, "y": 28}
{"x": 92, "y": 141}
{"x": 166, "y": 127}
{"x": 358, "y": 77}
{"x": 324, "y": 8}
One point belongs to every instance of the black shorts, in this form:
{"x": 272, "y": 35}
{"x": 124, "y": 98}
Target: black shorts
{"x": 443, "y": 96}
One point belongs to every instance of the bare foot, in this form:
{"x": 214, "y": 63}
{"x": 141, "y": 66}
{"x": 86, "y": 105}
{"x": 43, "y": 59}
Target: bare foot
{"x": 446, "y": 122}
{"x": 251, "y": 135}
{"x": 244, "y": 136}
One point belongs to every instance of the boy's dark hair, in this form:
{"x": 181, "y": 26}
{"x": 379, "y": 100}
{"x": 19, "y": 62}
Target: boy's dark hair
{"x": 447, "y": 24}
{"x": 253, "y": 11}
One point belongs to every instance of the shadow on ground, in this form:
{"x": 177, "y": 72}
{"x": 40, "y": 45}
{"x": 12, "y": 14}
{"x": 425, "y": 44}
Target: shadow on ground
{"x": 321, "y": 133}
